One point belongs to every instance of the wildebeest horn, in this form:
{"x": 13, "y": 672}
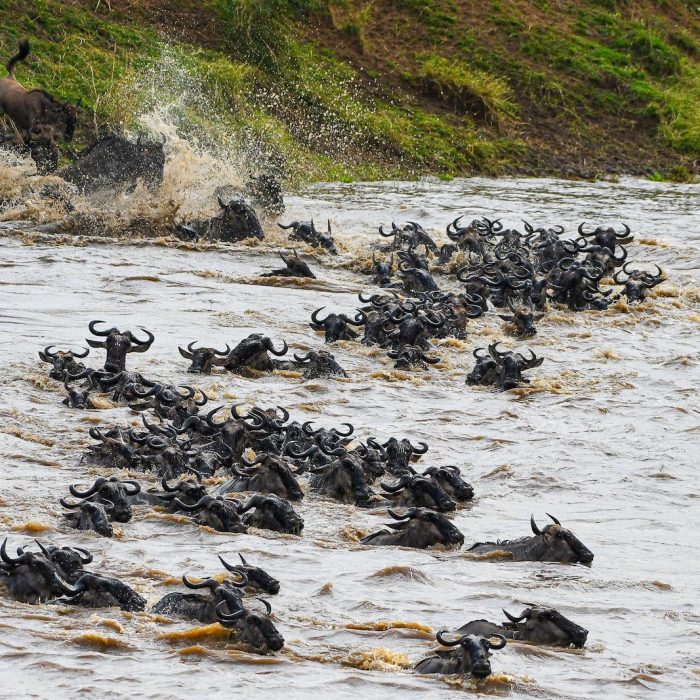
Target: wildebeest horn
{"x": 243, "y": 561}
{"x": 491, "y": 645}
{"x": 512, "y": 618}
{"x": 253, "y": 502}
{"x": 398, "y": 486}
{"x": 227, "y": 566}
{"x": 299, "y": 358}
{"x": 267, "y": 605}
{"x": 553, "y": 519}
{"x": 91, "y": 326}
{"x": 210, "y": 583}
{"x": 187, "y": 354}
{"x": 533, "y": 525}
{"x": 142, "y": 345}
{"x": 446, "y": 643}
{"x": 136, "y": 487}
{"x": 228, "y": 616}
{"x": 195, "y": 506}
{"x": 92, "y": 490}
{"x": 7, "y": 558}
{"x": 421, "y": 451}
{"x": 278, "y": 353}
{"x": 408, "y": 514}
{"x": 315, "y": 319}
{"x": 221, "y": 202}
{"x": 350, "y": 427}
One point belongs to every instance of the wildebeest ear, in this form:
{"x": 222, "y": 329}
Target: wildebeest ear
{"x": 506, "y": 318}
{"x": 43, "y": 356}
{"x": 185, "y": 354}
{"x": 94, "y": 343}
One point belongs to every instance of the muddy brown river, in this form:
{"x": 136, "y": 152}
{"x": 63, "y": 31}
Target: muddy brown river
{"x": 606, "y": 438}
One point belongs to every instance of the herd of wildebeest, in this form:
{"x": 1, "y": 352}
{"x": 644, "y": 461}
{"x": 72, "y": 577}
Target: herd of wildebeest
{"x": 264, "y": 462}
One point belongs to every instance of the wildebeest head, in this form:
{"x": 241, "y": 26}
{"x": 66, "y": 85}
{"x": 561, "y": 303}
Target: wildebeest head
{"x": 253, "y": 628}
{"x": 32, "y": 578}
{"x": 545, "y": 626}
{"x": 63, "y": 362}
{"x": 251, "y": 353}
{"x": 219, "y": 513}
{"x": 236, "y": 222}
{"x": 188, "y": 491}
{"x": 512, "y": 365}
{"x": 416, "y": 490}
{"x": 343, "y": 479}
{"x": 97, "y": 591}
{"x": 472, "y": 655}
{"x": 451, "y": 482}
{"x": 204, "y": 358}
{"x": 409, "y": 356}
{"x": 336, "y": 325}
{"x": 272, "y": 476}
{"x": 78, "y": 396}
{"x": 257, "y": 577}
{"x": 272, "y": 513}
{"x": 118, "y": 345}
{"x": 68, "y": 560}
{"x": 560, "y": 544}
{"x": 319, "y": 364}
{"x": 417, "y": 528}
{"x": 88, "y": 515}
{"x": 114, "y": 491}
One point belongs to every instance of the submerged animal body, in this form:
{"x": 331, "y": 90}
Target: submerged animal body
{"x": 536, "y": 625}
{"x": 114, "y": 162}
{"x": 551, "y": 543}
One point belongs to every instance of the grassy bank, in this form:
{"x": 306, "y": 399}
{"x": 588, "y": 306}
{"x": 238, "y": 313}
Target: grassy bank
{"x": 366, "y": 89}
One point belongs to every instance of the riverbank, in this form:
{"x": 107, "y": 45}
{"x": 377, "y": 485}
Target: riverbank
{"x": 367, "y": 90}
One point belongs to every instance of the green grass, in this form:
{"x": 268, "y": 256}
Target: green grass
{"x": 458, "y": 103}
{"x": 469, "y": 89}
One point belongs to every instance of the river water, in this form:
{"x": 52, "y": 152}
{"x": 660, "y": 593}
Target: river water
{"x": 606, "y": 438}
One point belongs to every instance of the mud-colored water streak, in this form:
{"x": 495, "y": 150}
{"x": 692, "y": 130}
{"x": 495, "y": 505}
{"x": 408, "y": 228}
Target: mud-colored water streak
{"x": 606, "y": 439}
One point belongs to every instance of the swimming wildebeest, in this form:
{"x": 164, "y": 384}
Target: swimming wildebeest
{"x": 28, "y": 108}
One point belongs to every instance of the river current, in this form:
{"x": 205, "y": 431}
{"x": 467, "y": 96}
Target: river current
{"x": 606, "y": 438}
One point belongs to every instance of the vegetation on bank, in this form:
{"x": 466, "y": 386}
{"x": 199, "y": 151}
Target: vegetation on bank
{"x": 339, "y": 89}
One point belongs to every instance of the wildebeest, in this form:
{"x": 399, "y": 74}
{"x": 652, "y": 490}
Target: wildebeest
{"x": 197, "y": 606}
{"x": 319, "y": 364}
{"x": 236, "y": 221}
{"x": 113, "y": 491}
{"x": 114, "y": 162}
{"x": 419, "y": 491}
{"x": 98, "y": 591}
{"x": 295, "y": 267}
{"x": 257, "y": 577}
{"x": 28, "y": 108}
{"x": 266, "y": 474}
{"x": 31, "y": 578}
{"x": 252, "y": 353}
{"x": 251, "y": 627}
{"x": 536, "y": 624}
{"x": 118, "y": 345}
{"x": 203, "y": 359}
{"x": 417, "y": 528}
{"x": 272, "y": 513}
{"x": 335, "y": 326}
{"x": 451, "y": 482}
{"x": 502, "y": 369}
{"x": 551, "y": 543}
{"x": 88, "y": 515}
{"x": 471, "y": 657}
{"x": 63, "y": 362}
{"x": 217, "y": 513}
